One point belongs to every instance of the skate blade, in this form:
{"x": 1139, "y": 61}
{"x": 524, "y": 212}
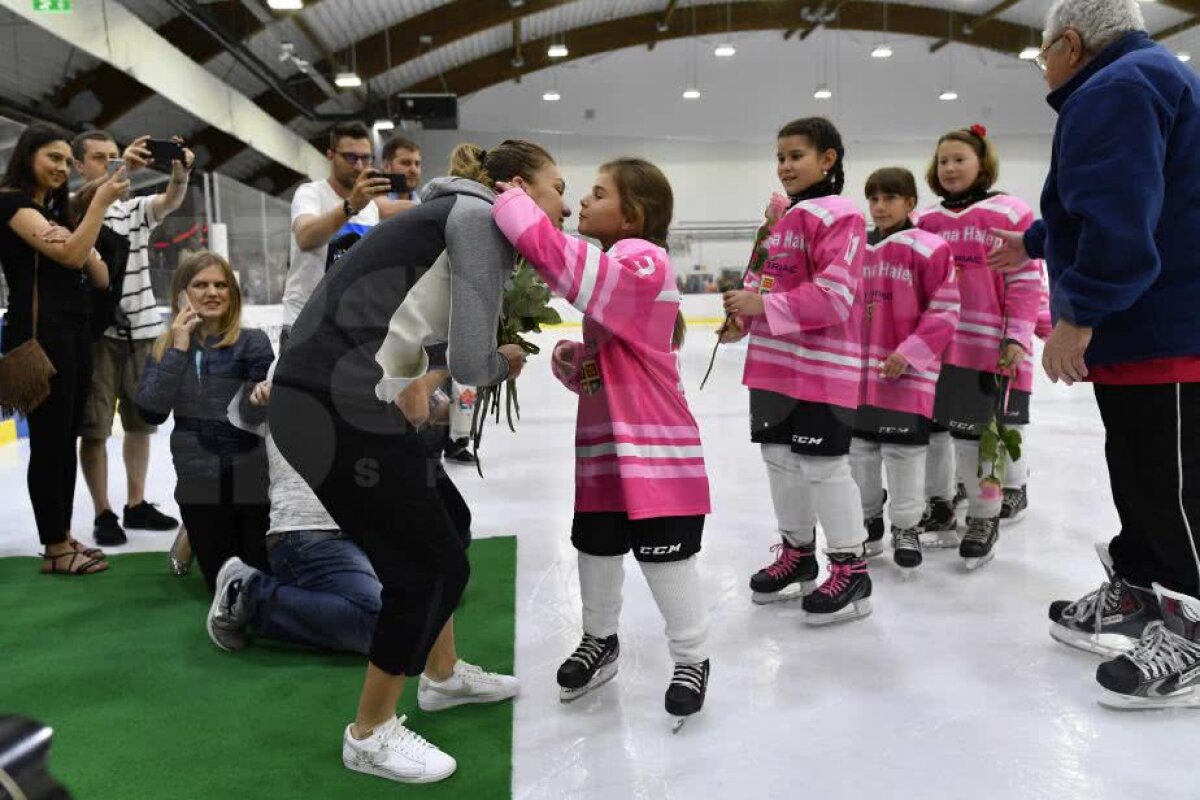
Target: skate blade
{"x": 1188, "y": 698}
{"x": 856, "y": 610}
{"x": 973, "y": 564}
{"x": 602, "y": 676}
{"x": 677, "y": 723}
{"x": 908, "y": 573}
{"x": 1108, "y": 645}
{"x": 940, "y": 540}
{"x": 873, "y": 548}
{"x": 796, "y": 591}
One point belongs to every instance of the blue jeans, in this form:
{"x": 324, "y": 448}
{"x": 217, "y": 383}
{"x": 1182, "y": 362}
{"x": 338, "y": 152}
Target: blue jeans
{"x": 323, "y": 594}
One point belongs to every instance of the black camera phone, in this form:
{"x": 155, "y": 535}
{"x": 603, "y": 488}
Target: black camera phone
{"x": 164, "y": 151}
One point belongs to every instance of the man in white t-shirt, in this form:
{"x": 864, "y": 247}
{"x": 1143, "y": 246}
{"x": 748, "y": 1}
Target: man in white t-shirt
{"x": 329, "y": 216}
{"x": 119, "y": 355}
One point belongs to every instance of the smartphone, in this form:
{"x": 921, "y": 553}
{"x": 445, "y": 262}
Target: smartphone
{"x": 181, "y": 302}
{"x": 164, "y": 151}
{"x": 399, "y": 182}
{"x": 114, "y": 164}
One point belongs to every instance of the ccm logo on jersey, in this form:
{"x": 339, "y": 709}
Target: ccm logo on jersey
{"x": 661, "y": 550}
{"x": 808, "y": 439}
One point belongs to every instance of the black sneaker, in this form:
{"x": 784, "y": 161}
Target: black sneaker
{"x": 459, "y": 451}
{"x": 146, "y": 517}
{"x": 593, "y": 664}
{"x": 1163, "y": 669}
{"x": 1107, "y": 621}
{"x": 979, "y": 542}
{"x": 685, "y": 694}
{"x": 793, "y": 565}
{"x": 845, "y": 594}
{"x": 108, "y": 531}
{"x": 874, "y": 543}
{"x": 940, "y": 524}
{"x": 1014, "y": 504}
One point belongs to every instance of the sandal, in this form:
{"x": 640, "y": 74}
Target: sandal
{"x": 89, "y": 567}
{"x": 90, "y": 552}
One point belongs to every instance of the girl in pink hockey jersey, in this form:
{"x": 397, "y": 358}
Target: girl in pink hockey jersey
{"x": 995, "y": 332}
{"x": 907, "y": 306}
{"x": 640, "y": 482}
{"x": 804, "y": 369}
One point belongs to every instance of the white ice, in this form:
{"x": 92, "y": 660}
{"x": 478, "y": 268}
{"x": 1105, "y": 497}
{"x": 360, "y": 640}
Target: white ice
{"x": 951, "y": 689}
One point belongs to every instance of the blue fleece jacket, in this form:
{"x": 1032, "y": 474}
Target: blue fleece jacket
{"x": 1121, "y": 205}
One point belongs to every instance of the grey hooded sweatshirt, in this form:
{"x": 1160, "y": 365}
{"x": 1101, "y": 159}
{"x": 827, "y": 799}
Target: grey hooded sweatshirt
{"x": 340, "y": 343}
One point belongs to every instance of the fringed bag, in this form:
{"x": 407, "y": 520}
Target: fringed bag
{"x": 25, "y": 372}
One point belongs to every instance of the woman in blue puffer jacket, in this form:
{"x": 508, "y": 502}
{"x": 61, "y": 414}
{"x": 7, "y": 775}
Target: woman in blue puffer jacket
{"x": 195, "y": 371}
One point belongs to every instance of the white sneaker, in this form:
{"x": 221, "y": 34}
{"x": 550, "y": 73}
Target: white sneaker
{"x": 468, "y": 684}
{"x": 394, "y": 752}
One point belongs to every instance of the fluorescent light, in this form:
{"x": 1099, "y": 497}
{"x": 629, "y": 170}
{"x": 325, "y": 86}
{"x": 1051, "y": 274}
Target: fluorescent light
{"x": 347, "y": 80}
{"x": 1030, "y": 53}
{"x": 949, "y": 94}
{"x": 1185, "y": 57}
{"x": 384, "y": 125}
{"x": 691, "y": 94}
{"x": 882, "y": 51}
{"x": 557, "y": 51}
{"x": 823, "y": 92}
{"x": 552, "y": 96}
{"x": 285, "y": 5}
{"x": 725, "y": 50}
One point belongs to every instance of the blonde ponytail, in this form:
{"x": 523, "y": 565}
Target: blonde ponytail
{"x": 467, "y": 162}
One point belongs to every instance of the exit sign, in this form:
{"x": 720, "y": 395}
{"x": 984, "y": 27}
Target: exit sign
{"x": 52, "y": 5}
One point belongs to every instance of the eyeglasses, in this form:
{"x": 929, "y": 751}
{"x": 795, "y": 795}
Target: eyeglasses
{"x": 355, "y": 158}
{"x": 1040, "y": 58}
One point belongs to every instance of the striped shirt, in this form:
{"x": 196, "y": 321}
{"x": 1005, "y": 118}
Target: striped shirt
{"x": 134, "y": 219}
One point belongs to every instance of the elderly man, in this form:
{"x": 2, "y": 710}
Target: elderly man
{"x": 1121, "y": 235}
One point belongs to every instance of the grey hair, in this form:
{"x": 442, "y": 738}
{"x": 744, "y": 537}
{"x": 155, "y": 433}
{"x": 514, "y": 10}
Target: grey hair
{"x": 1098, "y": 22}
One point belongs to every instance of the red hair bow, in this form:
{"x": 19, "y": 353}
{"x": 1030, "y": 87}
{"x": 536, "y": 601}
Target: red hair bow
{"x": 979, "y": 131}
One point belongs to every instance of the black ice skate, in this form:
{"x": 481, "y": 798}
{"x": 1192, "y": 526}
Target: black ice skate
{"x": 940, "y": 524}
{"x": 685, "y": 695}
{"x": 845, "y": 595}
{"x": 979, "y": 542}
{"x": 960, "y": 494}
{"x": 1107, "y": 621}
{"x": 874, "y": 543}
{"x": 906, "y": 543}
{"x": 1014, "y": 504}
{"x": 593, "y": 664}
{"x": 793, "y": 565}
{"x": 1163, "y": 669}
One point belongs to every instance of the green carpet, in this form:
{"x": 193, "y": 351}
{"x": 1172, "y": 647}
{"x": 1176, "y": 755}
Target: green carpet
{"x": 144, "y": 706}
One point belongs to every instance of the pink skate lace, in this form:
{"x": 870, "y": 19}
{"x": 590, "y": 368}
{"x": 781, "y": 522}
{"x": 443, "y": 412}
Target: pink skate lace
{"x": 786, "y": 559}
{"x": 839, "y": 576}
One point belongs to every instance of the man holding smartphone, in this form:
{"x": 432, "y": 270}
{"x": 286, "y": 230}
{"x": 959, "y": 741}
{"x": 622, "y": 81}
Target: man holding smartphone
{"x": 329, "y": 216}
{"x": 401, "y": 160}
{"x": 119, "y": 355}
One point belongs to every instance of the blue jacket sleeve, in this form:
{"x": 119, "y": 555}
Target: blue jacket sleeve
{"x": 161, "y": 381}
{"x": 1035, "y": 240}
{"x": 259, "y": 355}
{"x": 1110, "y": 179}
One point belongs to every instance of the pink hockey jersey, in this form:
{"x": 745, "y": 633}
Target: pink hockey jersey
{"x": 637, "y": 445}
{"x": 995, "y": 307}
{"x": 806, "y": 344}
{"x": 908, "y": 304}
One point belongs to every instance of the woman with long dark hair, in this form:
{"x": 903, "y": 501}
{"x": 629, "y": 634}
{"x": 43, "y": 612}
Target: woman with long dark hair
{"x": 49, "y": 265}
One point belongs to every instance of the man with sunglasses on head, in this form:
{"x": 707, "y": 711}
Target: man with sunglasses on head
{"x": 329, "y": 216}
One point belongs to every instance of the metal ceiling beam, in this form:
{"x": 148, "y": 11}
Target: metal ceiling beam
{"x": 975, "y": 23}
{"x": 1175, "y": 30}
{"x": 664, "y": 24}
{"x": 113, "y": 34}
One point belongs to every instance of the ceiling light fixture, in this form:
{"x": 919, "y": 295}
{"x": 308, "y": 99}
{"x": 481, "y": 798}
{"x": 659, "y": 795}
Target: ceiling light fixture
{"x": 347, "y": 80}
{"x": 384, "y": 125}
{"x": 725, "y": 50}
{"x": 285, "y": 5}
{"x": 557, "y": 50}
{"x": 1030, "y": 53}
{"x": 552, "y": 96}
{"x": 882, "y": 51}
{"x": 691, "y": 94}
{"x": 823, "y": 92}
{"x": 948, "y": 95}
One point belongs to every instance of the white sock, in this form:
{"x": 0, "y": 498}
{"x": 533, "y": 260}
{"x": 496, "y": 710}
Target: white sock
{"x": 838, "y": 503}
{"x": 939, "y": 467}
{"x": 601, "y": 579}
{"x": 906, "y": 484}
{"x": 676, "y": 589}
{"x": 1016, "y": 473}
{"x": 967, "y": 453}
{"x": 460, "y": 418}
{"x": 790, "y": 494}
{"x": 866, "y": 465}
